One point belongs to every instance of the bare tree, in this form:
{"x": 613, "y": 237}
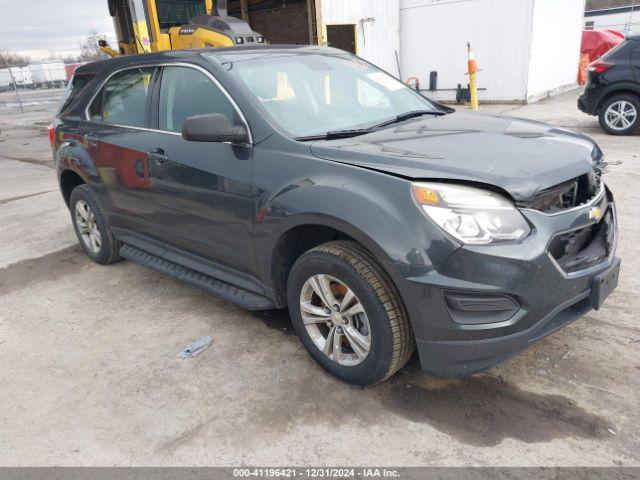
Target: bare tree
{"x": 62, "y": 58}
{"x": 70, "y": 59}
{"x": 89, "y": 48}
{"x": 14, "y": 59}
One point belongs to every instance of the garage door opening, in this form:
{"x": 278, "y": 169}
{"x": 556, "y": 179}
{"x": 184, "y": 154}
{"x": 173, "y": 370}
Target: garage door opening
{"x": 288, "y": 22}
{"x": 342, "y": 37}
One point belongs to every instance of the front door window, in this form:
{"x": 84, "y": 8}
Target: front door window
{"x": 185, "y": 92}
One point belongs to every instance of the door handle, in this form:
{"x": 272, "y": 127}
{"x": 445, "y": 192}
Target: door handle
{"x": 91, "y": 139}
{"x": 158, "y": 156}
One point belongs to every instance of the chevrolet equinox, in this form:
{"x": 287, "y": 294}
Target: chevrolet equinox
{"x": 307, "y": 178}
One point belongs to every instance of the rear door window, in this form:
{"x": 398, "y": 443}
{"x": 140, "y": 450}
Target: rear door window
{"x": 124, "y": 98}
{"x": 185, "y": 92}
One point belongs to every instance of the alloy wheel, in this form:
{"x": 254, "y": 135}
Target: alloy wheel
{"x": 620, "y": 115}
{"x": 87, "y": 227}
{"x": 335, "y": 320}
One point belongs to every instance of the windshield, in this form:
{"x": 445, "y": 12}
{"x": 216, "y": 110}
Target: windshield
{"x": 314, "y": 94}
{"x": 173, "y": 13}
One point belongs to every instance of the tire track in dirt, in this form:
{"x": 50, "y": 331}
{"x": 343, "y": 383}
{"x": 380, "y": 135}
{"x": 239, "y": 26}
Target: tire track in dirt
{"x": 32, "y": 161}
{"x": 46, "y": 268}
{"x": 22, "y": 197}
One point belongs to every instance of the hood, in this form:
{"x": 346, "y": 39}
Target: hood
{"x": 519, "y": 156}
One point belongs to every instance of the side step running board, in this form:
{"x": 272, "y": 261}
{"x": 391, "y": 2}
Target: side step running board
{"x": 226, "y": 291}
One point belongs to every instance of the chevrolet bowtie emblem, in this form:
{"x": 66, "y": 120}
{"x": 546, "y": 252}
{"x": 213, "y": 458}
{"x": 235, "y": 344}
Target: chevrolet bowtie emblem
{"x": 595, "y": 213}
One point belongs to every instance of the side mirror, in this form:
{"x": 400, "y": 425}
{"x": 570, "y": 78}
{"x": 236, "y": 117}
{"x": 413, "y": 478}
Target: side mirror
{"x": 212, "y": 127}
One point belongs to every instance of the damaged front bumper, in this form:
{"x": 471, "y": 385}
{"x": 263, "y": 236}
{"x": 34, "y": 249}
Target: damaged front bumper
{"x": 484, "y": 304}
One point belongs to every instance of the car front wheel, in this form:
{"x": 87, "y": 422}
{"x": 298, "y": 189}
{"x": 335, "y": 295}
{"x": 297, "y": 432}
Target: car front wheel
{"x": 620, "y": 115}
{"x": 348, "y": 314}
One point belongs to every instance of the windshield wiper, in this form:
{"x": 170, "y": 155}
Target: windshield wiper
{"x": 335, "y": 134}
{"x": 407, "y": 115}
{"x": 332, "y": 135}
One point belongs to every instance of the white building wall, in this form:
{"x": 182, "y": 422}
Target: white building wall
{"x": 556, "y": 36}
{"x": 434, "y": 35}
{"x": 525, "y": 48}
{"x": 617, "y": 21}
{"x": 378, "y": 40}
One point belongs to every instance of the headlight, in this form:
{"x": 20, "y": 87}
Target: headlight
{"x": 471, "y": 215}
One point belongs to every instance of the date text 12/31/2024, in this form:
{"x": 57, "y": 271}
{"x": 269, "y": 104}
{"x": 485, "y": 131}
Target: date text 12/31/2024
{"x": 315, "y": 473}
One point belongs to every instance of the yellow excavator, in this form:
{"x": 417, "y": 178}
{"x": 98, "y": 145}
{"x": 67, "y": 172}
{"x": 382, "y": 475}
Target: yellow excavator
{"x": 155, "y": 25}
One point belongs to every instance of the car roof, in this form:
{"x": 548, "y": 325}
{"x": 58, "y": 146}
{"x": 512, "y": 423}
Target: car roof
{"x": 256, "y": 51}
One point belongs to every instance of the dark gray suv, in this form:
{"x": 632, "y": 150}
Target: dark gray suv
{"x": 306, "y": 178}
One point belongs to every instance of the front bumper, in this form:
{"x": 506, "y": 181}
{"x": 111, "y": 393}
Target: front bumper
{"x": 548, "y": 296}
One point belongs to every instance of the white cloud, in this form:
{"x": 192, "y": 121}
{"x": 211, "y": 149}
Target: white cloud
{"x": 40, "y": 27}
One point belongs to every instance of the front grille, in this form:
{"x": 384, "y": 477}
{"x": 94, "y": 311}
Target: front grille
{"x": 584, "y": 248}
{"x": 566, "y": 195}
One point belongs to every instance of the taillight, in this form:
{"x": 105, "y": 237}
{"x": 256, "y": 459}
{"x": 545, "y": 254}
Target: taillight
{"x": 599, "y": 66}
{"x": 52, "y": 133}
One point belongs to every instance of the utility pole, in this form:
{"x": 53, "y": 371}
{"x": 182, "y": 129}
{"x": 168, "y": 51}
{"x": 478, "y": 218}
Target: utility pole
{"x": 13, "y": 81}
{"x": 628, "y": 28}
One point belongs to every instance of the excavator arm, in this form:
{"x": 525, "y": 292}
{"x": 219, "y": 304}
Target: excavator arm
{"x": 104, "y": 46}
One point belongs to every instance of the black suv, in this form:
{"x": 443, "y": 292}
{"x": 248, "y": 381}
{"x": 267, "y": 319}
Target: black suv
{"x": 306, "y": 178}
{"x": 613, "y": 89}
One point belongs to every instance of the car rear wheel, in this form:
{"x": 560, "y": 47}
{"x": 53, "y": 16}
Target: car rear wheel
{"x": 91, "y": 226}
{"x": 620, "y": 115}
{"x": 348, "y": 314}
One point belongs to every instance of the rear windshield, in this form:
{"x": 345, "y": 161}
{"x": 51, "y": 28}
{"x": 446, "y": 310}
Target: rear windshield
{"x": 75, "y": 86}
{"x": 611, "y": 53}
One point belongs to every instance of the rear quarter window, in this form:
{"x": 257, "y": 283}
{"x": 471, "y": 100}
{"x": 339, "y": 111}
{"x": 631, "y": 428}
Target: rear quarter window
{"x": 620, "y": 51}
{"x": 73, "y": 90}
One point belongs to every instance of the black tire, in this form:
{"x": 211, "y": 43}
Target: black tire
{"x": 110, "y": 247}
{"x": 634, "y": 127}
{"x": 392, "y": 341}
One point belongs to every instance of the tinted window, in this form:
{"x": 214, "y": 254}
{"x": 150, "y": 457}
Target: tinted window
{"x": 178, "y": 12}
{"x": 73, "y": 90}
{"x": 615, "y": 52}
{"x": 185, "y": 92}
{"x": 123, "y": 99}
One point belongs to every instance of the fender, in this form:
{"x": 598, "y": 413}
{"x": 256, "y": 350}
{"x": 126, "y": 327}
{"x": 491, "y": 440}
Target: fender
{"x": 616, "y": 88}
{"x": 72, "y": 155}
{"x": 355, "y": 208}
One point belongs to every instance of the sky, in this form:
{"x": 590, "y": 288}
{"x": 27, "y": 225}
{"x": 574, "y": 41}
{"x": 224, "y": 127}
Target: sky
{"x": 38, "y": 28}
